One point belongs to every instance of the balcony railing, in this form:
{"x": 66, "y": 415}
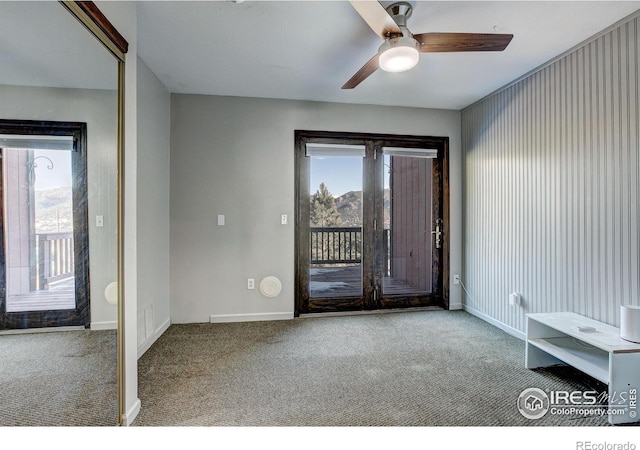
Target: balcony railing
{"x": 55, "y": 258}
{"x": 342, "y": 245}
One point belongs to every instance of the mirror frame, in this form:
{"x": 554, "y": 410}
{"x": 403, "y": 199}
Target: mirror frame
{"x": 99, "y": 26}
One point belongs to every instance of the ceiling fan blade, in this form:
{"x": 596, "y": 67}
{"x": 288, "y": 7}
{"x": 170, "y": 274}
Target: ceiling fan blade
{"x": 366, "y": 70}
{"x": 376, "y": 17}
{"x": 462, "y": 42}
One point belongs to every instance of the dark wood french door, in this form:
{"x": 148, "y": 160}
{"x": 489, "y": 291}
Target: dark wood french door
{"x": 44, "y": 251}
{"x": 371, "y": 221}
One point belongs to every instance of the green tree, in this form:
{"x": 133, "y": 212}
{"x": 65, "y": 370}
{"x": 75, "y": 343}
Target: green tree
{"x": 324, "y": 212}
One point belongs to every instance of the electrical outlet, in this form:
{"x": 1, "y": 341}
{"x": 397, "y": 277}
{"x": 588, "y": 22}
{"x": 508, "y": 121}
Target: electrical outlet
{"x": 251, "y": 284}
{"x": 456, "y": 279}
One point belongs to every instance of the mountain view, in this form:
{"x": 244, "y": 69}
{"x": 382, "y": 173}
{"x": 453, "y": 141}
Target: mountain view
{"x": 349, "y": 206}
{"x": 54, "y": 210}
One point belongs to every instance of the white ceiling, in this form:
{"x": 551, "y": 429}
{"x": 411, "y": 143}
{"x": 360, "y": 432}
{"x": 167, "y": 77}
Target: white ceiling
{"x": 41, "y": 44}
{"x": 306, "y": 50}
{"x": 303, "y": 50}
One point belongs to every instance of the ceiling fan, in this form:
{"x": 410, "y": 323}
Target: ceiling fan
{"x": 401, "y": 49}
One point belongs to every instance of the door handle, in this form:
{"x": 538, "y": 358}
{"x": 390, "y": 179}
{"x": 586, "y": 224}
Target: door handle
{"x": 438, "y": 233}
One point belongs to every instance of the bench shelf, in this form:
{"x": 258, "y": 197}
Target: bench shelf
{"x": 592, "y": 347}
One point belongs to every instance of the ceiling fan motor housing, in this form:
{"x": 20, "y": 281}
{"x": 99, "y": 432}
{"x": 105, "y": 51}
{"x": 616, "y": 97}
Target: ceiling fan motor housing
{"x": 398, "y": 54}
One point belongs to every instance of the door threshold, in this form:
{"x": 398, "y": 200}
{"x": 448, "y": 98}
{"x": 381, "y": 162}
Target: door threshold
{"x": 42, "y": 330}
{"x": 369, "y": 312}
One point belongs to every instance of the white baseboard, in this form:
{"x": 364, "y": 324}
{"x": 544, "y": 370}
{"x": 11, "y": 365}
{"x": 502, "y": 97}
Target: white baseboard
{"x": 455, "y": 306}
{"x": 504, "y": 327}
{"x": 109, "y": 325}
{"x": 146, "y": 345}
{"x": 131, "y": 414}
{"x": 226, "y": 318}
{"x": 42, "y": 330}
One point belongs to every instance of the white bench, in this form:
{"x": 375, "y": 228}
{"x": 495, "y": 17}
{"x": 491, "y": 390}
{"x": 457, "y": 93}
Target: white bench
{"x": 592, "y": 347}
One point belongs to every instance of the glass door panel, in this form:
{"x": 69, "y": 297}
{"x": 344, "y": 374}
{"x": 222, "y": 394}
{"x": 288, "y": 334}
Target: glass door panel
{"x": 407, "y": 219}
{"x": 44, "y": 262}
{"x": 412, "y": 234}
{"x": 40, "y": 270}
{"x": 335, "y": 224}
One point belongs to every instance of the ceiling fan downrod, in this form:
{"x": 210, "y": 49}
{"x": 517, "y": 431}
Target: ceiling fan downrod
{"x": 400, "y": 12}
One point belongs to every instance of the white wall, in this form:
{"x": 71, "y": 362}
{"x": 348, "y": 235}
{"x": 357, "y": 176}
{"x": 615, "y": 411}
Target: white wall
{"x": 551, "y": 169}
{"x": 154, "y": 104}
{"x": 98, "y": 108}
{"x": 235, "y": 156}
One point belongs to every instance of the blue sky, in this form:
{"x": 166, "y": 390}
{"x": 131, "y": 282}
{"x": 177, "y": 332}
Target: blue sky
{"x": 340, "y": 174}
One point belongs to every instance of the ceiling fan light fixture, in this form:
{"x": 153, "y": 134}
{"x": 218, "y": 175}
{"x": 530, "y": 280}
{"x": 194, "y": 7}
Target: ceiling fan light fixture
{"x": 398, "y": 54}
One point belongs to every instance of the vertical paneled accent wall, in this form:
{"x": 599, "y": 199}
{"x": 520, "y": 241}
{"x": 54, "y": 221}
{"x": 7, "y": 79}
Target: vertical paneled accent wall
{"x": 551, "y": 187}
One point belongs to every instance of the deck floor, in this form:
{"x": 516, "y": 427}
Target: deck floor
{"x": 324, "y": 282}
{"x": 59, "y": 296}
{"x": 336, "y": 281}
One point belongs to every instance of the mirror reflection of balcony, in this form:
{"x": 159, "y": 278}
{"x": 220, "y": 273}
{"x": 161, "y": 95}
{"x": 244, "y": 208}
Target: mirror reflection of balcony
{"x": 52, "y": 274}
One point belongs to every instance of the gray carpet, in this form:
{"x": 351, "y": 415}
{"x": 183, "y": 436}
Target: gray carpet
{"x": 433, "y": 368}
{"x": 65, "y": 378}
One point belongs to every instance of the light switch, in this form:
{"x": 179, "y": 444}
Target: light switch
{"x": 221, "y": 220}
{"x": 99, "y": 221}
{"x": 284, "y": 219}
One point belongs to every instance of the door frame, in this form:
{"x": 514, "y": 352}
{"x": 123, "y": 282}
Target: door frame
{"x": 80, "y": 316}
{"x": 371, "y": 142}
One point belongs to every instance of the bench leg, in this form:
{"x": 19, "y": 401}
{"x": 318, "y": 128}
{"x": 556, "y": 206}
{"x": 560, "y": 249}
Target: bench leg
{"x": 624, "y": 387}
